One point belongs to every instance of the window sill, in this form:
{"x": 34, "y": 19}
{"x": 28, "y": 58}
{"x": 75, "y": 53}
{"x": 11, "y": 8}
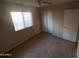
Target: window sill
{"x": 24, "y": 29}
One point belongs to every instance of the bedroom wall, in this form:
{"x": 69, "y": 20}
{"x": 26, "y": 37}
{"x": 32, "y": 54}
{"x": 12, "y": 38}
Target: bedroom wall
{"x": 58, "y": 16}
{"x": 8, "y": 37}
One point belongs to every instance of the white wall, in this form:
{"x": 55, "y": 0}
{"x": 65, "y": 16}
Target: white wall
{"x": 57, "y": 20}
{"x": 8, "y": 37}
{"x": 58, "y": 16}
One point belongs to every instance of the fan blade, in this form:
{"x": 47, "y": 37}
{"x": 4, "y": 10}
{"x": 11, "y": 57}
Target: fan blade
{"x": 47, "y": 2}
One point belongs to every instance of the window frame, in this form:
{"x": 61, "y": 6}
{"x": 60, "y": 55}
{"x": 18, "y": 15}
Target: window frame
{"x": 22, "y": 20}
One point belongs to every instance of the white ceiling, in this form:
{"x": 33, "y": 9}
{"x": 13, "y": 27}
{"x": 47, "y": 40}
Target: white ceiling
{"x": 35, "y": 3}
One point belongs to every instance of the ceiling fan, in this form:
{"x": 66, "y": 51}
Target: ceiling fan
{"x": 43, "y": 3}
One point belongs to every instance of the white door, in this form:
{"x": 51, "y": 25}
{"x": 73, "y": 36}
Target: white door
{"x": 71, "y": 18}
{"x": 45, "y": 22}
{"x": 50, "y": 22}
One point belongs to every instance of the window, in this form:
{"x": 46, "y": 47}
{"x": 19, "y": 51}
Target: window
{"x": 27, "y": 19}
{"x": 21, "y": 20}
